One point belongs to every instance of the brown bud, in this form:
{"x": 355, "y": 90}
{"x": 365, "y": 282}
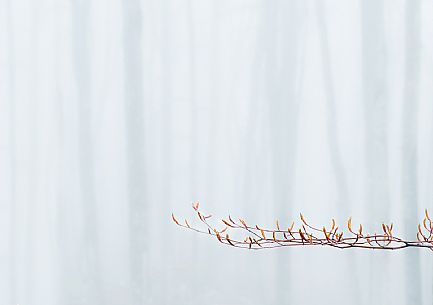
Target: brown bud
{"x": 244, "y": 223}
{"x": 228, "y": 239}
{"x": 174, "y": 219}
{"x": 226, "y": 223}
{"x": 302, "y": 218}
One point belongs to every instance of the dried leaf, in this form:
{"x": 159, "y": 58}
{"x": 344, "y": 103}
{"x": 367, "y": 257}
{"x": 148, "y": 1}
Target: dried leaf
{"x": 305, "y": 230}
{"x": 174, "y": 219}
{"x": 244, "y": 223}
{"x": 333, "y": 224}
{"x": 389, "y": 229}
{"x": 326, "y": 234}
{"x": 187, "y": 224}
{"x": 420, "y": 232}
{"x": 302, "y": 235}
{"x": 384, "y": 229}
{"x": 263, "y": 233}
{"x": 360, "y": 229}
{"x": 228, "y": 239}
{"x": 226, "y": 223}
{"x": 302, "y": 218}
{"x": 278, "y": 225}
{"x": 231, "y": 220}
{"x": 335, "y": 231}
{"x": 349, "y": 224}
{"x": 273, "y": 236}
{"x": 291, "y": 227}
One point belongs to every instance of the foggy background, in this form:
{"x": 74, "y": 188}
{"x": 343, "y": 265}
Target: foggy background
{"x": 115, "y": 113}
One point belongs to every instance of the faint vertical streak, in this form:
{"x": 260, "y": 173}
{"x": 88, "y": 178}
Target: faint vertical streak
{"x": 193, "y": 124}
{"x": 334, "y": 150}
{"x": 166, "y": 127}
{"x": 253, "y": 110}
{"x": 409, "y": 143}
{"x": 214, "y": 96}
{"x": 375, "y": 105}
{"x": 375, "y": 123}
{"x": 192, "y": 93}
{"x": 82, "y": 59}
{"x": 135, "y": 147}
{"x": 12, "y": 145}
{"x": 282, "y": 64}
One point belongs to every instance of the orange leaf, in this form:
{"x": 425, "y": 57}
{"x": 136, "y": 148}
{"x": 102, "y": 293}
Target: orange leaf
{"x": 326, "y": 234}
{"x": 384, "y": 229}
{"x": 302, "y": 218}
{"x": 291, "y": 227}
{"x": 302, "y": 235}
{"x": 244, "y": 223}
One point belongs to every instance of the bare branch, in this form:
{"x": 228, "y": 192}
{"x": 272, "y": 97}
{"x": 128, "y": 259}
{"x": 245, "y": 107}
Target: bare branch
{"x": 305, "y": 234}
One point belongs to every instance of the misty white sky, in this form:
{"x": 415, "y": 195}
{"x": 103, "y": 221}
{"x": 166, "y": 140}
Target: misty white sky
{"x": 115, "y": 113}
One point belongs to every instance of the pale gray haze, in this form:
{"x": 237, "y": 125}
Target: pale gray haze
{"x": 115, "y": 113}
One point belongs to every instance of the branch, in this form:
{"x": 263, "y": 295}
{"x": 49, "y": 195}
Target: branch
{"x": 258, "y": 238}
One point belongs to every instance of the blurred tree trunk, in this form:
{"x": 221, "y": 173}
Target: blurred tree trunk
{"x": 375, "y": 102}
{"x": 409, "y": 183}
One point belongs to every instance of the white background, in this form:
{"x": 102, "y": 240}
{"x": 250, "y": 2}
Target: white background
{"x": 115, "y": 113}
